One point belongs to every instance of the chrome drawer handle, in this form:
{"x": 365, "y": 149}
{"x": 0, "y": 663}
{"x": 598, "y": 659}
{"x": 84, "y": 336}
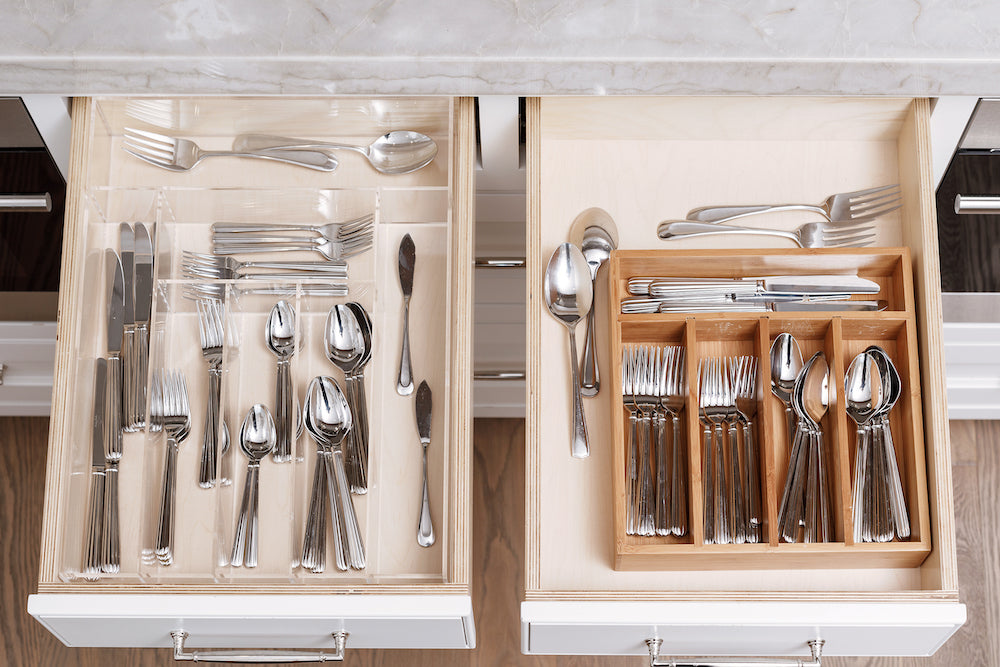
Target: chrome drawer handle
{"x": 258, "y": 655}
{"x": 500, "y": 262}
{"x": 974, "y": 205}
{"x": 656, "y": 660}
{"x": 40, "y": 203}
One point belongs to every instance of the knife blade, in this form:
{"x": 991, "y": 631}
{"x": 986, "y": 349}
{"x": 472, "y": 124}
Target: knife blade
{"x": 116, "y": 302}
{"x": 406, "y": 261}
{"x": 126, "y": 250}
{"x": 425, "y": 526}
{"x": 143, "y": 307}
{"x": 93, "y": 539}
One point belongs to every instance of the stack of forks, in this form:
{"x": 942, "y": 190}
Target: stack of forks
{"x": 654, "y": 387}
{"x": 728, "y": 396}
{"x": 335, "y": 241}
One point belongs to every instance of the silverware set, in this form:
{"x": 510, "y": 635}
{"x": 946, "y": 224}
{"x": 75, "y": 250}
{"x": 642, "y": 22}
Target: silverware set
{"x": 805, "y": 500}
{"x": 846, "y": 220}
{"x": 871, "y": 387}
{"x": 654, "y": 388}
{"x": 771, "y": 293}
{"x": 397, "y": 152}
{"x": 334, "y": 241}
{"x": 727, "y": 400}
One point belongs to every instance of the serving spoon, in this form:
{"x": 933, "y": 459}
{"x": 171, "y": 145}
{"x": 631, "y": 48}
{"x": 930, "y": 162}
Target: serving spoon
{"x": 568, "y": 294}
{"x": 397, "y": 152}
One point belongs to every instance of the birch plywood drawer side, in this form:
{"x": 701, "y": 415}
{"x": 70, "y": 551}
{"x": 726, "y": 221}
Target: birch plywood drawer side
{"x": 407, "y": 596}
{"x": 590, "y": 588}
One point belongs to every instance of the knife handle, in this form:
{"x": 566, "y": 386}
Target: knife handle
{"x": 425, "y": 527}
{"x": 92, "y": 544}
{"x": 141, "y": 350}
{"x": 111, "y": 543}
{"x": 404, "y": 386}
{"x": 113, "y": 418}
{"x": 128, "y": 378}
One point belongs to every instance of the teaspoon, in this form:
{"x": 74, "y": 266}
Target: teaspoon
{"x": 862, "y": 392}
{"x": 345, "y": 348}
{"x": 257, "y": 437}
{"x": 280, "y": 335}
{"x": 568, "y": 294}
{"x": 894, "y": 389}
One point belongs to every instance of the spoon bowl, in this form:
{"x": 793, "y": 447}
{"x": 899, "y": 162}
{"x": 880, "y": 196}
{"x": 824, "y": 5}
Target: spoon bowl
{"x": 280, "y": 337}
{"x": 343, "y": 338}
{"x": 327, "y": 413}
{"x": 280, "y": 330}
{"x": 257, "y": 435}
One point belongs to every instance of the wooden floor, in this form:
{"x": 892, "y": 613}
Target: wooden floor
{"x": 498, "y": 555}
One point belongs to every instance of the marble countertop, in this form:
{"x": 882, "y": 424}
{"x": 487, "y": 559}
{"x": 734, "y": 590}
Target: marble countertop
{"x": 482, "y": 47}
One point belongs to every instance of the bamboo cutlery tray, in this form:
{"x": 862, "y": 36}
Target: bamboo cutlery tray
{"x": 840, "y": 335}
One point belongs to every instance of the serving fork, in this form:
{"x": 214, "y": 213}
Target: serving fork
{"x": 809, "y": 235}
{"x": 169, "y": 409}
{"x": 844, "y": 208}
{"x": 176, "y": 154}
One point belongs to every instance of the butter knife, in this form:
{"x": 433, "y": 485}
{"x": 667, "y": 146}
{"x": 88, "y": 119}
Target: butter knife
{"x": 93, "y": 542}
{"x": 407, "y": 258}
{"x": 113, "y": 420}
{"x": 425, "y": 527}
{"x": 126, "y": 251}
{"x": 143, "y": 307}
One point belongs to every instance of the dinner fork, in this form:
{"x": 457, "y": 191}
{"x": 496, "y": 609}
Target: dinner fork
{"x": 629, "y": 359}
{"x": 672, "y": 500}
{"x": 221, "y": 267}
{"x": 333, "y": 249}
{"x": 331, "y": 230}
{"x": 745, "y": 382}
{"x": 647, "y": 401}
{"x": 182, "y": 154}
{"x": 713, "y": 414}
{"x": 846, "y": 207}
{"x": 809, "y": 235}
{"x": 737, "y": 497}
{"x": 210, "y": 331}
{"x": 170, "y": 409}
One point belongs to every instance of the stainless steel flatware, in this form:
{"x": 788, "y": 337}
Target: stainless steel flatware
{"x": 713, "y": 387}
{"x": 397, "y": 152}
{"x": 256, "y": 441}
{"x": 356, "y": 380}
{"x": 406, "y": 261}
{"x": 847, "y": 207}
{"x": 425, "y": 527}
{"x": 863, "y": 393}
{"x": 211, "y": 331}
{"x": 800, "y": 306}
{"x": 673, "y": 397}
{"x": 335, "y": 241}
{"x": 126, "y": 252}
{"x": 279, "y": 333}
{"x": 215, "y": 291}
{"x": 113, "y": 421}
{"x": 595, "y": 233}
{"x": 569, "y": 294}
{"x": 170, "y": 410}
{"x": 93, "y": 542}
{"x": 745, "y": 383}
{"x": 800, "y": 286}
{"x": 892, "y": 384}
{"x": 223, "y": 267}
{"x": 176, "y": 154}
{"x": 143, "y": 308}
{"x": 345, "y": 348}
{"x": 809, "y": 235}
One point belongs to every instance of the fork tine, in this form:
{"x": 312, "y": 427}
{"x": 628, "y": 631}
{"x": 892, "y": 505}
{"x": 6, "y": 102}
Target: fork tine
{"x": 852, "y": 242}
{"x": 217, "y": 328}
{"x": 869, "y": 191}
{"x": 875, "y": 210}
{"x": 141, "y": 142}
{"x": 151, "y": 136}
{"x": 157, "y": 153}
{"x": 159, "y": 163}
{"x": 874, "y": 195}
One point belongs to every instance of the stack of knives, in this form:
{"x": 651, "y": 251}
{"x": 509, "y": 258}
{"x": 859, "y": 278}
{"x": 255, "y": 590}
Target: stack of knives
{"x": 770, "y": 293}
{"x": 119, "y": 389}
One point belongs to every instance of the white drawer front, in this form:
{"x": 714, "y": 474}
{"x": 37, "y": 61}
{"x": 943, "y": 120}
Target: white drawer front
{"x": 737, "y": 629}
{"x": 258, "y": 621}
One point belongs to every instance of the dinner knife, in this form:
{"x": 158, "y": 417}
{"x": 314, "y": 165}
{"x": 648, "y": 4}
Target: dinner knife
{"x": 126, "y": 249}
{"x": 425, "y": 528}
{"x": 93, "y": 542}
{"x": 804, "y": 305}
{"x": 407, "y": 258}
{"x": 143, "y": 307}
{"x": 113, "y": 418}
{"x": 767, "y": 285}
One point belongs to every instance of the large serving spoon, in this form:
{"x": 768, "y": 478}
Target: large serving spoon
{"x": 397, "y": 152}
{"x": 257, "y": 438}
{"x": 280, "y": 335}
{"x": 568, "y": 294}
{"x": 893, "y": 390}
{"x": 596, "y": 234}
{"x": 328, "y": 416}
{"x": 862, "y": 394}
{"x": 345, "y": 348}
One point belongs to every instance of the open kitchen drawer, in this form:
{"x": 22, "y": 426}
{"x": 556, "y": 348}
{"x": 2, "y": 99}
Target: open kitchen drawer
{"x": 407, "y": 596}
{"x": 644, "y": 160}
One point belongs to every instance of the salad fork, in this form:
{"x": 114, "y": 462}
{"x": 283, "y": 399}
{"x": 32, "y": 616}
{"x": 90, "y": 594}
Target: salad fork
{"x": 182, "y": 154}
{"x": 170, "y": 409}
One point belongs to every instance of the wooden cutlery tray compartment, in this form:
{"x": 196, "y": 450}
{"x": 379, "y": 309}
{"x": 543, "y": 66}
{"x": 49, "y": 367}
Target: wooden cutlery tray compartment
{"x": 840, "y": 336}
{"x": 108, "y": 187}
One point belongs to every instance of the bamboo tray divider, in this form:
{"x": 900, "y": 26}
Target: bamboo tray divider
{"x": 840, "y": 335}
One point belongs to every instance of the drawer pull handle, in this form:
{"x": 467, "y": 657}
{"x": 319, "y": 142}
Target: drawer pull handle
{"x": 258, "y": 655}
{"x": 40, "y": 203}
{"x": 972, "y": 205}
{"x": 498, "y": 375}
{"x": 656, "y": 660}
{"x": 500, "y": 262}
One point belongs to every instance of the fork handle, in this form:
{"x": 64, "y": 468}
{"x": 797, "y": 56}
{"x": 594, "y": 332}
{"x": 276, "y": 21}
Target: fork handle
{"x": 310, "y": 159}
{"x": 678, "y": 485}
{"x": 723, "y": 214}
{"x": 680, "y": 229}
{"x": 261, "y": 247}
{"x": 210, "y": 442}
{"x": 165, "y": 534}
{"x": 708, "y": 501}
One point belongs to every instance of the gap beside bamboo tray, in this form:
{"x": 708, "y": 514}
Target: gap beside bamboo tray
{"x": 841, "y": 335}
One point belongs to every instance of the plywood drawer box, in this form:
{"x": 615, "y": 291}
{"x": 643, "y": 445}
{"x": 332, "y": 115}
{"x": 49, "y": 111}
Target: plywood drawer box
{"x": 407, "y": 596}
{"x": 649, "y": 159}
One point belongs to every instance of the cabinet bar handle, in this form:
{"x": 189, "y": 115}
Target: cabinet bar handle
{"x": 498, "y": 375}
{"x": 656, "y": 660}
{"x": 500, "y": 262}
{"x": 258, "y": 655}
{"x": 40, "y": 203}
{"x": 970, "y": 205}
